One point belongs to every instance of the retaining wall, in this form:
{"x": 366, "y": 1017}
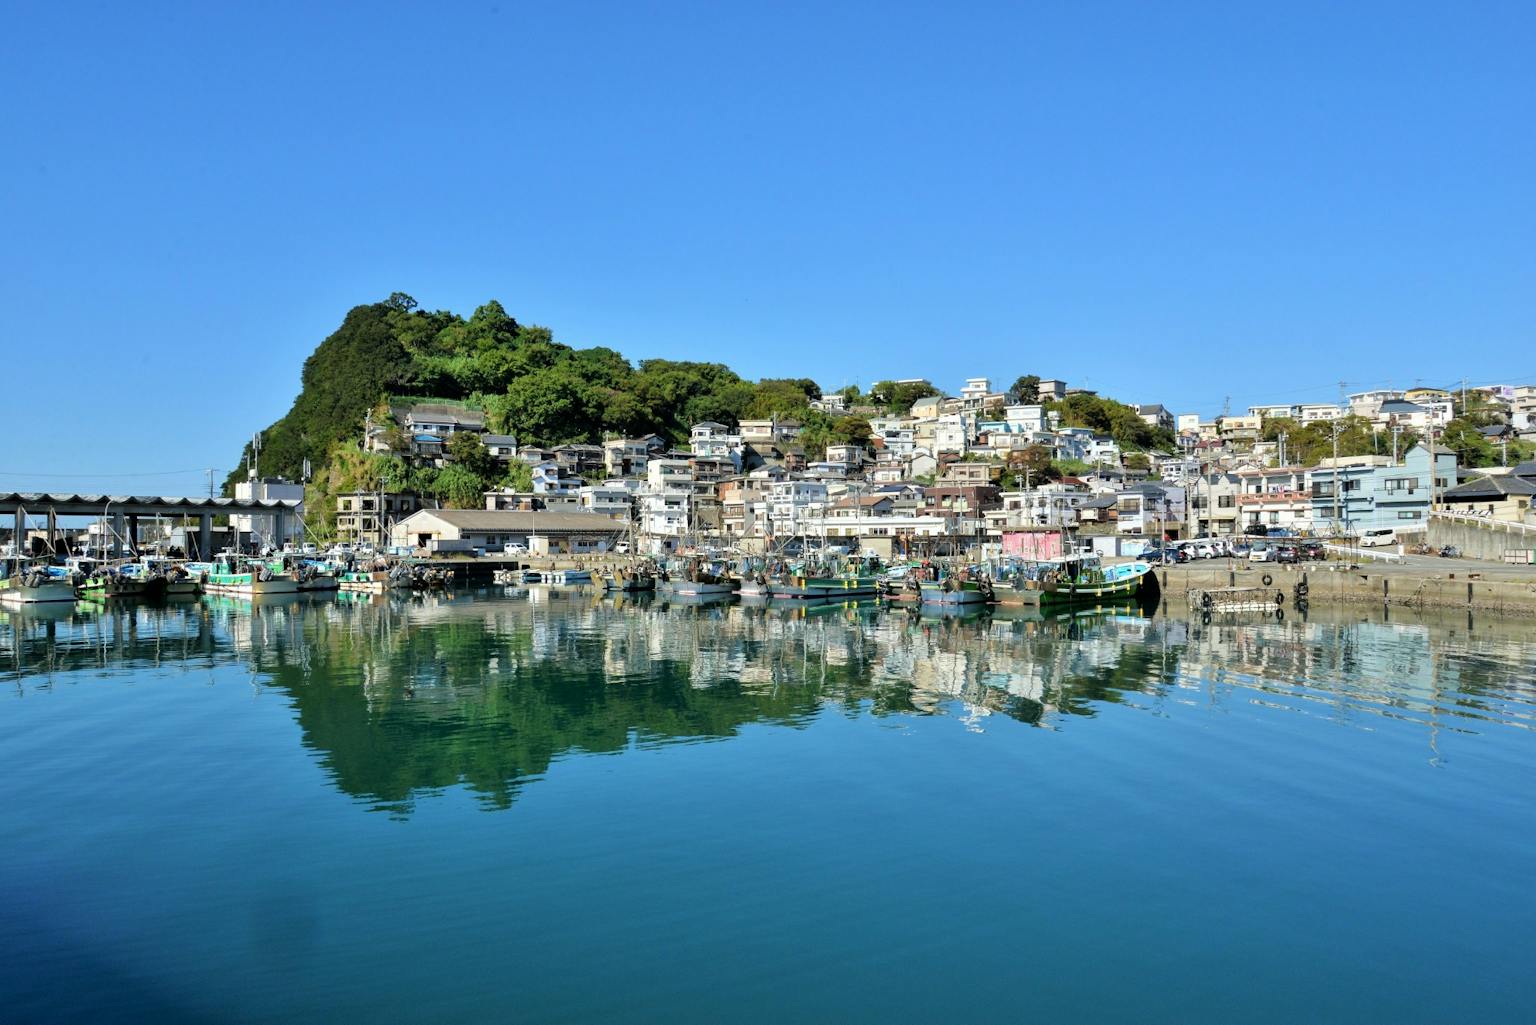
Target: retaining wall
{"x": 1461, "y": 589}
{"x": 1480, "y": 539}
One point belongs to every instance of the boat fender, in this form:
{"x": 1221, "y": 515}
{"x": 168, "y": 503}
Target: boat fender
{"x": 1266, "y": 579}
{"x": 1205, "y": 617}
{"x": 1206, "y": 602}
{"x": 1279, "y": 614}
{"x": 1279, "y": 598}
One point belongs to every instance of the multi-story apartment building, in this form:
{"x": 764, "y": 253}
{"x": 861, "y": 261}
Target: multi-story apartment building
{"x": 1274, "y": 497}
{"x": 1357, "y": 493}
{"x": 792, "y": 503}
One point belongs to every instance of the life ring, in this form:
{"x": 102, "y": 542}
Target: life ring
{"x": 1266, "y": 579}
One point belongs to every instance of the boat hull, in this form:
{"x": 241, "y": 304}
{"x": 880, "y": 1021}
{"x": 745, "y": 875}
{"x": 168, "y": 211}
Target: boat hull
{"x": 693, "y": 590}
{"x": 827, "y": 587}
{"x": 962, "y": 594}
{"x": 18, "y": 592}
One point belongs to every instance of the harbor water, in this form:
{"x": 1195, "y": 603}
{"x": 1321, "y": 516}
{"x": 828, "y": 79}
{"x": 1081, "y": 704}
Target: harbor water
{"x": 548, "y": 806}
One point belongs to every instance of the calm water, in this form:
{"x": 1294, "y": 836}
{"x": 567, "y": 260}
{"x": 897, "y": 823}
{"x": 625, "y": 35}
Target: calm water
{"x": 550, "y": 808}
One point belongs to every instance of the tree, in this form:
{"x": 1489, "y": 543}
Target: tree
{"x": 1032, "y": 465}
{"x": 1471, "y": 448}
{"x": 459, "y": 488}
{"x": 898, "y": 396}
{"x": 467, "y": 450}
{"x": 519, "y": 476}
{"x": 1026, "y": 390}
{"x": 850, "y": 430}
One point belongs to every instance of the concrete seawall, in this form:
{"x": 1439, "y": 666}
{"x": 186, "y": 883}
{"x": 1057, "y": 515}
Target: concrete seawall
{"x": 1466, "y": 586}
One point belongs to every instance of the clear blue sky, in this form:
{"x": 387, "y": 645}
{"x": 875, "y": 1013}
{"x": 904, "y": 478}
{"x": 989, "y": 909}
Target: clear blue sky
{"x": 1168, "y": 202}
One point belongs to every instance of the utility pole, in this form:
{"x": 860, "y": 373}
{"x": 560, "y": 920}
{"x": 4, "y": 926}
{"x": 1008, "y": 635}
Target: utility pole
{"x": 210, "y": 482}
{"x": 1397, "y": 430}
{"x": 1282, "y": 438}
{"x": 1337, "y": 427}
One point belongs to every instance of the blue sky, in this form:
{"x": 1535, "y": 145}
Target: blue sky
{"x": 1168, "y": 202}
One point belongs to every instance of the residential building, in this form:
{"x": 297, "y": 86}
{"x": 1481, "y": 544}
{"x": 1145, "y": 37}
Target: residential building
{"x": 1357, "y": 493}
{"x": 1277, "y": 497}
{"x": 1154, "y": 415}
{"x": 1152, "y": 509}
{"x": 502, "y": 446}
{"x": 791, "y": 503}
{"x": 1053, "y": 391}
{"x": 367, "y": 516}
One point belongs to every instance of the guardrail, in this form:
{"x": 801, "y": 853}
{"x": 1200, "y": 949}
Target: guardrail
{"x": 1509, "y": 526}
{"x": 1364, "y": 553}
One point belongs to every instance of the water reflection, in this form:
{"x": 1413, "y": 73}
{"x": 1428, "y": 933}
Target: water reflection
{"x": 487, "y": 690}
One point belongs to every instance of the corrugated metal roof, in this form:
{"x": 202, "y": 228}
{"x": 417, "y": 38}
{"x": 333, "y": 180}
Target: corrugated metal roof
{"x": 516, "y": 520}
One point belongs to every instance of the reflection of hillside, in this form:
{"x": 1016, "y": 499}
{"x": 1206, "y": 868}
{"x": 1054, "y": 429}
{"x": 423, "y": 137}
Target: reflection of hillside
{"x": 405, "y": 696}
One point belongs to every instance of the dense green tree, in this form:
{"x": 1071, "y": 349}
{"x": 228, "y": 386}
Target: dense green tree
{"x": 1026, "y": 389}
{"x": 898, "y": 396}
{"x": 459, "y": 488}
{"x": 467, "y": 450}
{"x": 850, "y": 430}
{"x": 1471, "y": 448}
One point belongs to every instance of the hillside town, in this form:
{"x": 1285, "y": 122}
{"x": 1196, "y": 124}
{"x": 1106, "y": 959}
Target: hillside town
{"x": 954, "y": 472}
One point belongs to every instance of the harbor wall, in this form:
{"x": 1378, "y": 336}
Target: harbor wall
{"x": 1336, "y": 583}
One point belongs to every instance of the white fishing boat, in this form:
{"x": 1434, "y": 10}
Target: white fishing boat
{"x": 36, "y": 585}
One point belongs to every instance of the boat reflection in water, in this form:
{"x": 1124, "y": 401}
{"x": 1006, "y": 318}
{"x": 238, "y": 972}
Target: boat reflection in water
{"x": 402, "y": 696}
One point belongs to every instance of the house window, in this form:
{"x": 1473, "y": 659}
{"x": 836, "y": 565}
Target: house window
{"x": 1225, "y": 501}
{"x": 1410, "y": 515}
{"x": 1274, "y": 517}
{"x": 1402, "y": 484}
{"x": 1322, "y": 489}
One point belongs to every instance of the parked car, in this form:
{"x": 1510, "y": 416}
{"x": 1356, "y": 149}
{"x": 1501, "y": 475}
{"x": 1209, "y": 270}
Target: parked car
{"x": 622, "y": 548}
{"x": 1450, "y": 552}
{"x": 1261, "y": 553}
{"x": 311, "y": 548}
{"x": 1313, "y": 550}
{"x": 514, "y": 548}
{"x": 1378, "y": 538}
{"x": 1287, "y": 553}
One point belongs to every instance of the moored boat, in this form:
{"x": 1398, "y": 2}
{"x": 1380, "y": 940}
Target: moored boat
{"x": 37, "y": 585}
{"x": 243, "y": 575}
{"x": 1075, "y": 579}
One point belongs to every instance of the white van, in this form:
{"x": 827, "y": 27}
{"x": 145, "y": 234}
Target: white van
{"x": 1378, "y": 538}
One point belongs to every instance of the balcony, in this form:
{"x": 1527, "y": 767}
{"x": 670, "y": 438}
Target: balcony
{"x": 1271, "y": 497}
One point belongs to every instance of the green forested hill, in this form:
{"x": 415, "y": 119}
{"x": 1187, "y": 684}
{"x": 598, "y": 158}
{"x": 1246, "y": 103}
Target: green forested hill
{"x": 531, "y": 386}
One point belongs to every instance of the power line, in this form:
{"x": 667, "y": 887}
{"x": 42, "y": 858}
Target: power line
{"x": 93, "y": 476}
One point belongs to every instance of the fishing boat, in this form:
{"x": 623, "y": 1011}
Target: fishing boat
{"x": 966, "y": 586}
{"x": 1073, "y": 579}
{"x": 36, "y": 585}
{"x": 563, "y": 577}
{"x": 126, "y": 582}
{"x": 799, "y": 585}
{"x": 630, "y": 579}
{"x": 694, "y": 578}
{"x": 179, "y": 583}
{"x": 244, "y": 575}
